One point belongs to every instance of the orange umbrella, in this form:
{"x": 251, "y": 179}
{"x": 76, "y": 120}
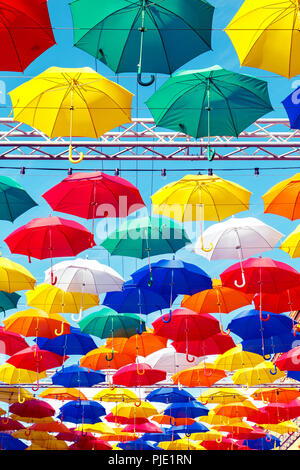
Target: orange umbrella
{"x": 101, "y": 358}
{"x": 244, "y": 409}
{"x": 280, "y": 395}
{"x": 143, "y": 345}
{"x": 218, "y": 299}
{"x": 34, "y": 322}
{"x": 170, "y": 420}
{"x": 202, "y": 375}
{"x": 53, "y": 426}
{"x": 62, "y": 393}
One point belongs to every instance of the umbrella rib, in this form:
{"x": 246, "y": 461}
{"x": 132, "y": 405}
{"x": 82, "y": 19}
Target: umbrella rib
{"x": 127, "y": 39}
{"x": 161, "y": 38}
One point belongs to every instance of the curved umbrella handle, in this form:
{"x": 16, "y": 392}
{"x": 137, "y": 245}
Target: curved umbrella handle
{"x": 207, "y": 250}
{"x": 78, "y": 317}
{"x": 111, "y": 386}
{"x": 207, "y": 374}
{"x": 219, "y": 439}
{"x": 245, "y": 387}
{"x": 169, "y": 318}
{"x": 20, "y": 399}
{"x": 139, "y": 329}
{"x": 53, "y": 279}
{"x": 138, "y": 370}
{"x": 211, "y": 153}
{"x": 204, "y": 403}
{"x": 187, "y": 434}
{"x": 150, "y": 281}
{"x": 224, "y": 333}
{"x": 267, "y": 357}
{"x": 110, "y": 358}
{"x": 243, "y": 281}
{"x": 275, "y": 371}
{"x": 27, "y": 432}
{"x": 71, "y": 159}
{"x": 142, "y": 83}
{"x": 61, "y": 332}
{"x": 5, "y": 420}
{"x": 36, "y": 388}
{"x": 262, "y": 318}
{"x": 268, "y": 437}
{"x": 188, "y": 359}
{"x": 138, "y": 403}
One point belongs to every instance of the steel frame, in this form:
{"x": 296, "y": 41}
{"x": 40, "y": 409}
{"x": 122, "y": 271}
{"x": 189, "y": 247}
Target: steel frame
{"x": 267, "y": 139}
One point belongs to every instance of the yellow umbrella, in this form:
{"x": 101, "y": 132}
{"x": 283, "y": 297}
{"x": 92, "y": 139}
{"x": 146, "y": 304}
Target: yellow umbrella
{"x": 11, "y": 375}
{"x": 264, "y": 373}
{"x": 128, "y": 410}
{"x": 67, "y": 102}
{"x": 14, "y": 277}
{"x": 282, "y": 198}
{"x": 236, "y": 358}
{"x": 12, "y": 395}
{"x": 116, "y": 395}
{"x": 30, "y": 420}
{"x": 98, "y": 428}
{"x": 213, "y": 418}
{"x": 62, "y": 393}
{"x": 52, "y": 299}
{"x": 31, "y": 435}
{"x": 286, "y": 427}
{"x": 180, "y": 444}
{"x": 211, "y": 435}
{"x": 221, "y": 395}
{"x": 265, "y": 35}
{"x": 292, "y": 243}
{"x": 34, "y": 322}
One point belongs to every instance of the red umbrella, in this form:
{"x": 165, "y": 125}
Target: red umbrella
{"x": 84, "y": 443}
{"x": 25, "y": 33}
{"x": 216, "y": 344}
{"x": 35, "y": 359}
{"x": 32, "y": 409}
{"x": 11, "y": 343}
{"x": 110, "y": 418}
{"x": 256, "y": 433}
{"x": 289, "y": 361}
{"x": 94, "y": 195}
{"x": 8, "y": 424}
{"x": 225, "y": 444}
{"x": 186, "y": 325}
{"x": 275, "y": 413}
{"x": 73, "y": 436}
{"x": 142, "y": 428}
{"x": 134, "y": 375}
{"x": 286, "y": 301}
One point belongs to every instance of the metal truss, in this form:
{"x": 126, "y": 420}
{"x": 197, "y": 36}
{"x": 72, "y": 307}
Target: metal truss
{"x": 266, "y": 139}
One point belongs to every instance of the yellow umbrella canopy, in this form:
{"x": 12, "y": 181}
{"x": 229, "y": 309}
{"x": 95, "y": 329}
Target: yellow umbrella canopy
{"x": 14, "y": 277}
{"x": 12, "y": 395}
{"x": 200, "y": 197}
{"x": 211, "y": 435}
{"x": 77, "y": 100}
{"x": 281, "y": 428}
{"x": 52, "y": 299}
{"x": 116, "y": 395}
{"x": 265, "y": 35}
{"x": 263, "y": 373}
{"x": 180, "y": 444}
{"x": 11, "y": 375}
{"x": 292, "y": 243}
{"x": 129, "y": 410}
{"x": 221, "y": 395}
{"x": 30, "y": 420}
{"x": 97, "y": 428}
{"x": 236, "y": 358}
{"x": 213, "y": 418}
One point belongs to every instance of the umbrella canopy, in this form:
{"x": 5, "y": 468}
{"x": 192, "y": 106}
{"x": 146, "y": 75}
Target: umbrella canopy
{"x": 200, "y": 197}
{"x": 146, "y": 427}
{"x": 215, "y": 344}
{"x": 186, "y": 410}
{"x": 11, "y": 342}
{"x": 90, "y": 444}
{"x": 14, "y": 277}
{"x": 180, "y": 444}
{"x": 74, "y": 343}
{"x": 12, "y": 395}
{"x": 275, "y": 413}
{"x": 35, "y": 359}
{"x": 238, "y": 238}
{"x": 81, "y": 412}
{"x": 272, "y": 345}
{"x": 9, "y": 424}
{"x": 263, "y": 373}
{"x": 26, "y": 33}
{"x": 278, "y": 395}
{"x": 32, "y": 409}
{"x": 288, "y": 300}
{"x": 258, "y": 31}
{"x": 34, "y": 322}
{"x": 14, "y": 200}
{"x": 128, "y": 410}
{"x": 169, "y": 395}
{"x": 141, "y": 29}
{"x": 63, "y": 394}
{"x": 8, "y": 442}
{"x": 202, "y": 375}
{"x": 75, "y": 376}
{"x": 169, "y": 360}
{"x": 102, "y": 358}
{"x": 115, "y": 395}
{"x": 236, "y": 358}
{"x": 189, "y": 428}
{"x": 282, "y": 198}
{"x": 221, "y": 395}
{"x": 230, "y": 102}
{"x": 262, "y": 444}
{"x": 292, "y": 243}
{"x": 140, "y": 374}
{"x": 12, "y": 375}
{"x": 8, "y": 301}
{"x": 64, "y": 102}
{"x": 84, "y": 276}
{"x": 237, "y": 410}
{"x": 94, "y": 195}
{"x": 289, "y": 360}
{"x": 50, "y": 237}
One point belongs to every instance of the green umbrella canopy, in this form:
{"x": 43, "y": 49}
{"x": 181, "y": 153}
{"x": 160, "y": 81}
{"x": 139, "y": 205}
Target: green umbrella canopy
{"x": 210, "y": 102}
{"x": 8, "y": 301}
{"x": 159, "y": 36}
{"x": 106, "y": 323}
{"x": 14, "y": 200}
{"x": 146, "y": 236}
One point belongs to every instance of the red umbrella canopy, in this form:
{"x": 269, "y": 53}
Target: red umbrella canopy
{"x": 216, "y": 344}
{"x": 263, "y": 275}
{"x": 94, "y": 195}
{"x": 111, "y": 418}
{"x": 286, "y": 301}
{"x": 90, "y": 444}
{"x": 142, "y": 428}
{"x": 25, "y": 33}
{"x": 32, "y": 409}
{"x": 186, "y": 325}
{"x": 134, "y": 375}
{"x": 275, "y": 413}
{"x": 8, "y": 424}
{"x": 225, "y": 444}
{"x": 289, "y": 361}
{"x": 35, "y": 359}
{"x": 255, "y": 433}
{"x": 11, "y": 343}
{"x": 50, "y": 237}
{"x": 72, "y": 435}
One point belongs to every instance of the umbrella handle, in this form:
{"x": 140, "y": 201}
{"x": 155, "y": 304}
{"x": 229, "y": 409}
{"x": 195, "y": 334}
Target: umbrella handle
{"x": 77, "y": 318}
{"x": 268, "y": 437}
{"x": 168, "y": 319}
{"x": 275, "y": 371}
{"x": 245, "y": 388}
{"x": 207, "y": 374}
{"x": 27, "y": 432}
{"x": 139, "y": 330}
{"x": 138, "y": 403}
{"x": 188, "y": 434}
{"x": 188, "y": 359}
{"x": 71, "y": 159}
{"x": 211, "y": 153}
{"x": 143, "y": 83}
{"x": 53, "y": 279}
{"x": 267, "y": 357}
{"x": 204, "y": 403}
{"x": 207, "y": 250}
{"x": 223, "y": 332}
{"x": 20, "y": 399}
{"x": 138, "y": 370}
{"x": 219, "y": 439}
{"x": 243, "y": 281}
{"x": 61, "y": 332}
{"x": 36, "y": 388}
{"x": 110, "y": 358}
{"x": 264, "y": 319}
{"x": 110, "y": 386}
{"x": 5, "y": 420}
{"x": 150, "y": 281}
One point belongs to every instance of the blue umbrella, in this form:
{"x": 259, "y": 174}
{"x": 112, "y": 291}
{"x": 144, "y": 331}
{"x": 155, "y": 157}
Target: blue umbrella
{"x": 133, "y": 299}
{"x": 139, "y": 444}
{"x": 85, "y": 411}
{"x": 293, "y": 374}
{"x": 75, "y": 343}
{"x": 186, "y": 410}
{"x": 169, "y": 395}
{"x": 272, "y": 345}
{"x": 165, "y": 436}
{"x": 188, "y": 429}
{"x": 76, "y": 376}
{"x": 292, "y": 107}
{"x": 262, "y": 443}
{"x": 248, "y": 324}
{"x": 8, "y": 442}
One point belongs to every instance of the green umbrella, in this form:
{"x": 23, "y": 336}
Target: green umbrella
{"x": 107, "y": 323}
{"x": 147, "y": 236}
{"x": 14, "y": 200}
{"x": 149, "y": 35}
{"x": 8, "y": 301}
{"x": 210, "y": 102}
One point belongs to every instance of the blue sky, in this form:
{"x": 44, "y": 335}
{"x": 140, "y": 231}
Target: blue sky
{"x": 36, "y": 182}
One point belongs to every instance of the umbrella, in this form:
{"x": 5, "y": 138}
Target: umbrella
{"x": 64, "y": 102}
{"x": 8, "y": 301}
{"x": 169, "y": 360}
{"x": 129, "y": 410}
{"x": 11, "y": 342}
{"x": 202, "y": 375}
{"x": 215, "y": 344}
{"x": 146, "y": 427}
{"x": 169, "y": 420}
{"x": 101, "y": 358}
{"x": 188, "y": 429}
{"x": 273, "y": 344}
{"x": 26, "y": 33}
{"x": 81, "y": 412}
{"x": 92, "y": 196}
{"x": 75, "y": 376}
{"x": 9, "y": 424}
{"x": 278, "y": 395}
{"x": 262, "y": 443}
{"x": 14, "y": 277}
{"x": 90, "y": 444}
{"x": 282, "y": 198}
{"x": 225, "y": 444}
{"x": 32, "y": 409}
{"x": 139, "y": 444}
{"x": 288, "y": 300}
{"x": 221, "y": 395}
{"x": 8, "y": 442}
{"x": 34, "y": 322}
{"x": 229, "y": 103}
{"x": 237, "y": 410}
{"x": 259, "y": 29}
{"x": 236, "y": 358}
{"x": 62, "y": 393}
{"x": 97, "y": 428}
{"x": 292, "y": 243}
{"x": 169, "y": 395}
{"x": 116, "y": 395}
{"x": 55, "y": 427}
{"x": 238, "y": 238}
{"x": 263, "y": 373}
{"x": 12, "y": 375}
{"x": 286, "y": 427}
{"x": 14, "y": 200}
{"x": 74, "y": 343}
{"x": 12, "y": 394}
{"x": 186, "y": 410}
{"x": 180, "y": 444}
{"x": 143, "y": 345}
{"x": 141, "y": 29}
{"x": 139, "y": 374}
{"x": 290, "y": 360}
{"x": 275, "y": 413}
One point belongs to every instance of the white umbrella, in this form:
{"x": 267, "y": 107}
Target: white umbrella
{"x": 238, "y": 238}
{"x": 85, "y": 276}
{"x": 169, "y": 360}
